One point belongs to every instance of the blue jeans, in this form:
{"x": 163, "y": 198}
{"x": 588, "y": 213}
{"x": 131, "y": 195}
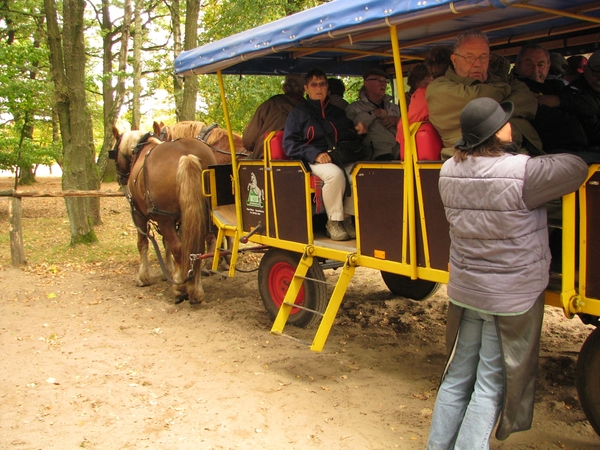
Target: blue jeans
{"x": 470, "y": 396}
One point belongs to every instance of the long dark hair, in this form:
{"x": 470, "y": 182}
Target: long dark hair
{"x": 492, "y": 146}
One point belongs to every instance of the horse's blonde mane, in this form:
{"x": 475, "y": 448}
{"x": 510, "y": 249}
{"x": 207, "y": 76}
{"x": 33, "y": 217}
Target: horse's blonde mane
{"x": 129, "y": 141}
{"x": 186, "y": 128}
{"x": 218, "y": 138}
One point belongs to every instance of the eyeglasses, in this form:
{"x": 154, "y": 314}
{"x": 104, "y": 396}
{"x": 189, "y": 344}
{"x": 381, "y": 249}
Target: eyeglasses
{"x": 379, "y": 80}
{"x": 483, "y": 59}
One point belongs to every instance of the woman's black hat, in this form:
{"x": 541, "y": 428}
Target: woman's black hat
{"x": 481, "y": 119}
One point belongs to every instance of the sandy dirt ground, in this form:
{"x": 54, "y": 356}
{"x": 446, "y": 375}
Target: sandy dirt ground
{"x": 89, "y": 360}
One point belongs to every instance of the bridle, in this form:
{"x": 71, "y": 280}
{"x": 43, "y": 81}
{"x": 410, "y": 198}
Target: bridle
{"x": 114, "y": 155}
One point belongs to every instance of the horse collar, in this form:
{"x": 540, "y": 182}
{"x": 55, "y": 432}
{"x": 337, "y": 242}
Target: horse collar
{"x": 205, "y": 131}
{"x": 142, "y": 142}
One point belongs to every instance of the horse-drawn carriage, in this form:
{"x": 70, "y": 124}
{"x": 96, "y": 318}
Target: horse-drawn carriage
{"x": 400, "y": 221}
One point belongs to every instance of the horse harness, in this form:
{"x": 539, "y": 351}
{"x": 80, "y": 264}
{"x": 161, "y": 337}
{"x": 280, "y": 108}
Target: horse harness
{"x": 152, "y": 209}
{"x": 203, "y": 136}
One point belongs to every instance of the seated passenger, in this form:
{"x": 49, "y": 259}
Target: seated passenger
{"x": 558, "y": 129}
{"x": 582, "y": 98}
{"x": 311, "y": 129}
{"x": 418, "y": 79}
{"x": 437, "y": 60}
{"x": 469, "y": 79}
{"x": 500, "y": 67}
{"x": 376, "y": 115}
{"x": 575, "y": 65}
{"x": 558, "y": 66}
{"x": 272, "y": 114}
{"x": 336, "y": 92}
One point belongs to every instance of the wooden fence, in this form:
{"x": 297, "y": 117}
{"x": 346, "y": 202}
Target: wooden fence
{"x": 17, "y": 250}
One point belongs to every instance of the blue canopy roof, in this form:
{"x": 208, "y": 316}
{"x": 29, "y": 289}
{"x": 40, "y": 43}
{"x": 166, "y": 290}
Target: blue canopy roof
{"x": 344, "y": 37}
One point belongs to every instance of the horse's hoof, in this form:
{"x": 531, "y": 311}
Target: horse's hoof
{"x": 196, "y": 302}
{"x": 181, "y": 297}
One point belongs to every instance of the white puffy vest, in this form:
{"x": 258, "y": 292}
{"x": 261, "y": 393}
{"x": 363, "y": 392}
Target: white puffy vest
{"x": 499, "y": 255}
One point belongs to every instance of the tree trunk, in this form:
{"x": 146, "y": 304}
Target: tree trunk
{"x": 137, "y": 66}
{"x": 175, "y": 9}
{"x": 68, "y": 72}
{"x": 17, "y": 251}
{"x": 190, "y": 86}
{"x": 112, "y": 96}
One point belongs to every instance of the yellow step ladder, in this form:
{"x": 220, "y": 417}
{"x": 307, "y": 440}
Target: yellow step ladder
{"x": 328, "y": 317}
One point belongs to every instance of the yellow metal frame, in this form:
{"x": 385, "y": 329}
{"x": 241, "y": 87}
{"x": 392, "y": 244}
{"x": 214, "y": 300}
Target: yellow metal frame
{"x": 571, "y": 298}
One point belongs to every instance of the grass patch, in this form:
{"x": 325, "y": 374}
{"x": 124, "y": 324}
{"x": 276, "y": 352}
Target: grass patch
{"x": 47, "y": 238}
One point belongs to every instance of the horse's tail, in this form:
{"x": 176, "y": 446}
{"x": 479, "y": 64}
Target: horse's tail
{"x": 193, "y": 206}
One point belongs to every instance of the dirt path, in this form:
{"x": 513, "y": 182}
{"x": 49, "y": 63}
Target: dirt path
{"x": 90, "y": 360}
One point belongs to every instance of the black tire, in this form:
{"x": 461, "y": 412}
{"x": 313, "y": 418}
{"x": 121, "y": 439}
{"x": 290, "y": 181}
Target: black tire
{"x": 275, "y": 273}
{"x": 405, "y": 287}
{"x": 588, "y": 378}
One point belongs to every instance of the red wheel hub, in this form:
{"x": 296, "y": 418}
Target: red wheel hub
{"x": 280, "y": 277}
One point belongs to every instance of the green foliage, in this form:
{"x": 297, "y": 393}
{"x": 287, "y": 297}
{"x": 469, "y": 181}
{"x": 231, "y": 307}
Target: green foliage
{"x": 25, "y": 91}
{"x": 243, "y": 97}
{"x": 221, "y": 18}
{"x": 27, "y": 153}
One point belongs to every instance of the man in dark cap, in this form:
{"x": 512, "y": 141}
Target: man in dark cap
{"x": 377, "y": 115}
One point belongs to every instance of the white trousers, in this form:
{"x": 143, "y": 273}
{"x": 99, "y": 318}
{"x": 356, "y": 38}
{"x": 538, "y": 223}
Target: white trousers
{"x": 337, "y": 204}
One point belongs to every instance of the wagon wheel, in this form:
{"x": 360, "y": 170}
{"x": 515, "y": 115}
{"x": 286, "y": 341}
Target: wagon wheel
{"x": 275, "y": 273}
{"x": 405, "y": 287}
{"x": 588, "y": 378}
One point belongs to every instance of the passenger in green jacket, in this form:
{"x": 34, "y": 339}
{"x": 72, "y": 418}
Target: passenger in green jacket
{"x": 468, "y": 79}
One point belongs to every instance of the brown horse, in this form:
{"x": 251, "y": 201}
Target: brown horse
{"x": 164, "y": 188}
{"x": 212, "y": 135}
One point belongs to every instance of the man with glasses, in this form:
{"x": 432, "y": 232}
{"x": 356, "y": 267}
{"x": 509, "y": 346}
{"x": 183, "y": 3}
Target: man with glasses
{"x": 469, "y": 78}
{"x": 377, "y": 115}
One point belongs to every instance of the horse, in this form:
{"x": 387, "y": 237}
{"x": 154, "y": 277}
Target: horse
{"x": 164, "y": 189}
{"x": 212, "y": 135}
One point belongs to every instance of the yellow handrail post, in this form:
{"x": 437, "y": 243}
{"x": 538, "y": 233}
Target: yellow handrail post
{"x": 234, "y": 163}
{"x": 409, "y": 155}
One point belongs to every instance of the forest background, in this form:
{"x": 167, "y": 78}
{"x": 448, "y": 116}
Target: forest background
{"x": 70, "y": 70}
